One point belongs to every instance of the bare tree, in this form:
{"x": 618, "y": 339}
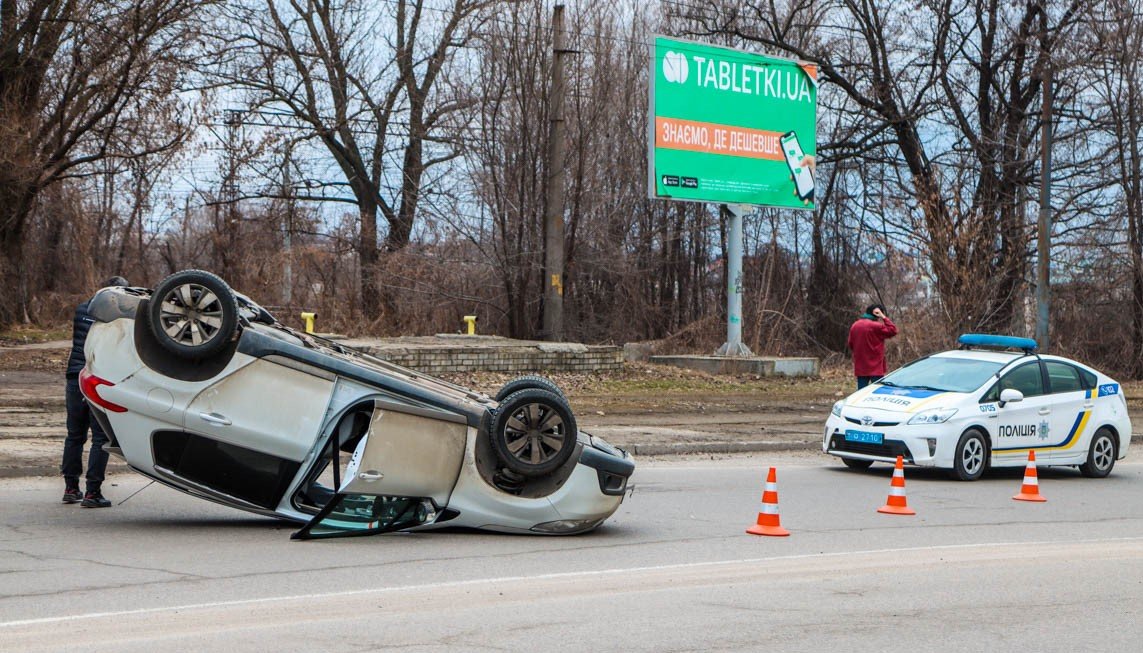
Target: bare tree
{"x": 508, "y": 163}
{"x": 947, "y": 91}
{"x": 81, "y": 81}
{"x": 368, "y": 81}
{"x": 1116, "y": 40}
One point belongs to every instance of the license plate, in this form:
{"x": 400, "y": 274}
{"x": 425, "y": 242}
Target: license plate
{"x": 867, "y": 437}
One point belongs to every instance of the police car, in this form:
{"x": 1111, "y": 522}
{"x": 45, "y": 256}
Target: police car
{"x": 984, "y": 405}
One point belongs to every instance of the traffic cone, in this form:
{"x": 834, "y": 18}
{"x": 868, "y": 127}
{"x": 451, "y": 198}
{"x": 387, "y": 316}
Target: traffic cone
{"x": 896, "y": 504}
{"x": 768, "y": 520}
{"x": 1030, "y": 490}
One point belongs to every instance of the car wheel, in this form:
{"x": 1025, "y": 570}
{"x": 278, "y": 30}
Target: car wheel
{"x": 193, "y": 314}
{"x": 1100, "y": 455}
{"x": 529, "y": 381}
{"x": 856, "y": 463}
{"x": 971, "y": 456}
{"x": 534, "y": 432}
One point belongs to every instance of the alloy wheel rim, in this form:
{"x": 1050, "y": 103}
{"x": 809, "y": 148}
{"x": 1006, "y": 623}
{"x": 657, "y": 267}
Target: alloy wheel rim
{"x": 973, "y": 456}
{"x": 1103, "y": 453}
{"x": 535, "y": 433}
{"x": 191, "y": 314}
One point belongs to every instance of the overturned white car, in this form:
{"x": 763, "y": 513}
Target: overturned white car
{"x": 200, "y": 389}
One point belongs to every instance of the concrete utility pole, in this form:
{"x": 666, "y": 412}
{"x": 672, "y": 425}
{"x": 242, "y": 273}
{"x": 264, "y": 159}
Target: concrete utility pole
{"x": 554, "y": 209}
{"x": 229, "y": 189}
{"x": 230, "y": 183}
{"x": 1044, "y": 238}
{"x": 734, "y": 345}
{"x": 288, "y": 230}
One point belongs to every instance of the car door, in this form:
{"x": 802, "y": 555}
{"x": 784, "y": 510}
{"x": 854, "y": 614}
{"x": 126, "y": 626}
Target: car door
{"x": 402, "y": 471}
{"x": 246, "y": 436}
{"x": 1021, "y": 425}
{"x": 1072, "y": 402}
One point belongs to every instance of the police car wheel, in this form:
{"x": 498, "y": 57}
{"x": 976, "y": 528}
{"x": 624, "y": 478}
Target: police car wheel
{"x": 971, "y": 456}
{"x": 1100, "y": 455}
{"x": 856, "y": 463}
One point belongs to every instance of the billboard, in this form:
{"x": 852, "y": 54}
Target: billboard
{"x": 731, "y": 126}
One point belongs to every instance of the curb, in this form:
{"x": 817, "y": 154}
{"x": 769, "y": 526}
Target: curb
{"x": 32, "y": 470}
{"x": 720, "y": 447}
{"x": 52, "y": 470}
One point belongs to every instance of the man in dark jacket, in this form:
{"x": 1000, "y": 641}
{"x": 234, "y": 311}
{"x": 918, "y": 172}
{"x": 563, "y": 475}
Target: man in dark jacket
{"x": 79, "y": 419}
{"x": 867, "y": 339}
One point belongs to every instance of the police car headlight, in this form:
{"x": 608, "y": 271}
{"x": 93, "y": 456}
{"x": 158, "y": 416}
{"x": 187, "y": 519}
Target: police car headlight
{"x": 836, "y": 410}
{"x": 934, "y": 416}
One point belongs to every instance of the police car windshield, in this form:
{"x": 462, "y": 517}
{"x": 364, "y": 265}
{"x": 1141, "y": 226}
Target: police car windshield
{"x": 943, "y": 374}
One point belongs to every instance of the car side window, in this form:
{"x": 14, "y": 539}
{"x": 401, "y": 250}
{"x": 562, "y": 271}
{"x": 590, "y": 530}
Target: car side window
{"x": 1088, "y": 379}
{"x": 1026, "y": 379}
{"x": 1063, "y": 377}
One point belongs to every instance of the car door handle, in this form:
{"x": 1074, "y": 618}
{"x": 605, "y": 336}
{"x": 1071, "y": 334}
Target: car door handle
{"x": 1045, "y": 411}
{"x": 370, "y": 476}
{"x": 214, "y": 418}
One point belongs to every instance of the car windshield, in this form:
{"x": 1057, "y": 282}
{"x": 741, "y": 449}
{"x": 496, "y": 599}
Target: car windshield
{"x": 943, "y": 374}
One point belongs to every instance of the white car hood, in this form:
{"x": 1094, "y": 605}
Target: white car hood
{"x": 898, "y": 400}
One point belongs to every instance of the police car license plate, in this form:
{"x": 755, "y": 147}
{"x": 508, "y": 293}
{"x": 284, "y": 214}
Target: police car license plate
{"x": 867, "y": 437}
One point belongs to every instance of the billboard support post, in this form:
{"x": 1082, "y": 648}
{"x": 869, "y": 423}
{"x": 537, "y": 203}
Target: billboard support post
{"x": 734, "y": 345}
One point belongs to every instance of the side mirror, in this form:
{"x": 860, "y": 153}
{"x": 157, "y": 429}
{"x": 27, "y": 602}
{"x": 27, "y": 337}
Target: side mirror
{"x": 1010, "y": 395}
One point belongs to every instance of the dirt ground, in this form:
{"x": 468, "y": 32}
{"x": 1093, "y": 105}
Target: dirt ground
{"x": 649, "y": 409}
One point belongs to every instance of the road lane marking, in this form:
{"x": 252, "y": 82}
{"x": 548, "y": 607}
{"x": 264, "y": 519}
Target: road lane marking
{"x": 554, "y": 576}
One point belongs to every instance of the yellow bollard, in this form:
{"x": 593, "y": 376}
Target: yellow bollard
{"x": 309, "y": 318}
{"x": 471, "y": 321}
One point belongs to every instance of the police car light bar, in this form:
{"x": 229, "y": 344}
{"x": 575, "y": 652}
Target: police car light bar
{"x": 1028, "y": 345}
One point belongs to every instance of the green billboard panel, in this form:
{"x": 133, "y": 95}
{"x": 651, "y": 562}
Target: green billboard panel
{"x": 731, "y": 126}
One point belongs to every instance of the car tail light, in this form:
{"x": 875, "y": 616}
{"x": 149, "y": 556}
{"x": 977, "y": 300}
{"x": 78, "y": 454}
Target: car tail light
{"x": 89, "y": 386}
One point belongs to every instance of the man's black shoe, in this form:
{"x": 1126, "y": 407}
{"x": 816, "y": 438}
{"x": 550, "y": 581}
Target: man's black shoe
{"x": 95, "y": 500}
{"x": 72, "y": 495}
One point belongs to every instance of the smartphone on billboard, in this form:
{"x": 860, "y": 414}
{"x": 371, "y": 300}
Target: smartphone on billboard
{"x": 803, "y": 176}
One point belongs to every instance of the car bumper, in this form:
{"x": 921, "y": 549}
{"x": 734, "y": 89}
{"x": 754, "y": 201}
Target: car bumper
{"x": 925, "y": 446}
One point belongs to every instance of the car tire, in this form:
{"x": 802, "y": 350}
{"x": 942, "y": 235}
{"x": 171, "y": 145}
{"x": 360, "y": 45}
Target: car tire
{"x": 528, "y": 381}
{"x": 1100, "y": 454}
{"x": 193, "y": 314}
{"x": 534, "y": 432}
{"x": 971, "y": 456}
{"x": 857, "y": 463}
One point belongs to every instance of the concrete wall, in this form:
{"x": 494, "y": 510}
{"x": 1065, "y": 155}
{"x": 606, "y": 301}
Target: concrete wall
{"x": 510, "y": 359}
{"x": 757, "y": 366}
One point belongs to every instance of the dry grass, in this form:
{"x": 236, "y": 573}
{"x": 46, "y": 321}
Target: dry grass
{"x": 643, "y": 379}
{"x": 24, "y": 335}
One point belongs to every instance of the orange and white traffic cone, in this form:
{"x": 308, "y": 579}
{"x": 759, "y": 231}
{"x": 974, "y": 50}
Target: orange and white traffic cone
{"x": 1030, "y": 490}
{"x": 896, "y": 503}
{"x": 768, "y": 520}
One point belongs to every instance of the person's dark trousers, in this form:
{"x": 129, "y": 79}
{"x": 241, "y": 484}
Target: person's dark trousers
{"x": 863, "y": 381}
{"x": 79, "y": 419}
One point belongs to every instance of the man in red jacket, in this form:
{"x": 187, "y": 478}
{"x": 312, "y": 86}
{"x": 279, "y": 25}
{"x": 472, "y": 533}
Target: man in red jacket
{"x": 867, "y": 339}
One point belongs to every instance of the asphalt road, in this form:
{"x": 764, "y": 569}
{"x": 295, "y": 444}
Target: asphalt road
{"x": 672, "y": 571}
